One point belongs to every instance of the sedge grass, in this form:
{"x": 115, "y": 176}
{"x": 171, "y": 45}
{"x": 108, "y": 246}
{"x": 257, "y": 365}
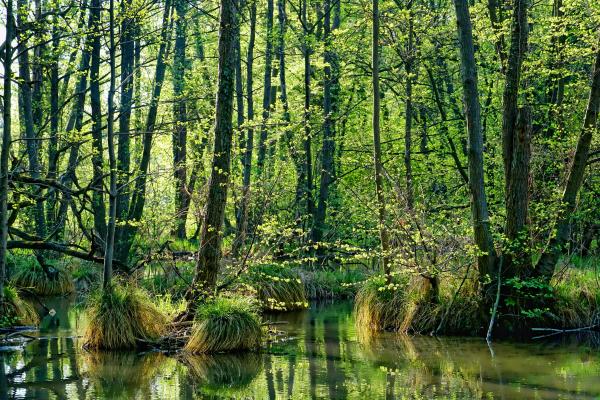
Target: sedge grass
{"x": 121, "y": 317}
{"x": 225, "y": 324}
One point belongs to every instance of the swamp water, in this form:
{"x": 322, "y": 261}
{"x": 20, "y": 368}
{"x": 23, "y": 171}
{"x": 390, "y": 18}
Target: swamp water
{"x": 321, "y": 359}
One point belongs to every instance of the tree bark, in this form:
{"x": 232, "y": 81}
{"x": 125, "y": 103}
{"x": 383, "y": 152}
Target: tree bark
{"x": 180, "y": 119}
{"x": 6, "y": 139}
{"x": 127, "y": 45}
{"x": 242, "y": 227}
{"x": 98, "y": 206}
{"x": 383, "y": 234}
{"x": 26, "y": 100}
{"x": 209, "y": 256}
{"x": 328, "y": 149}
{"x": 516, "y": 147}
{"x": 266, "y": 105}
{"x": 109, "y": 251}
{"x": 481, "y": 224}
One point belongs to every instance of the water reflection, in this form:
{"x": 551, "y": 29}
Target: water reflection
{"x": 322, "y": 359}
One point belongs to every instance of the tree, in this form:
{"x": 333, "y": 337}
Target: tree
{"x": 209, "y": 256}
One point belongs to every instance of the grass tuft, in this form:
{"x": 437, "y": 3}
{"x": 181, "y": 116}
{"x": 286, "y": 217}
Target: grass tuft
{"x": 338, "y": 284}
{"x": 225, "y": 324}
{"x": 32, "y": 277}
{"x": 121, "y": 317}
{"x": 278, "y": 288}
{"x": 15, "y": 311}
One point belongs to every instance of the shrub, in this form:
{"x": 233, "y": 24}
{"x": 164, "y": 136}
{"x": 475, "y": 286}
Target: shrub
{"x": 120, "y": 317}
{"x": 225, "y": 324}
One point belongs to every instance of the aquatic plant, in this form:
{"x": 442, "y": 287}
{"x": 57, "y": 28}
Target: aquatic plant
{"x": 278, "y": 287}
{"x": 31, "y": 276}
{"x": 120, "y": 317}
{"x": 225, "y": 324}
{"x": 16, "y": 311}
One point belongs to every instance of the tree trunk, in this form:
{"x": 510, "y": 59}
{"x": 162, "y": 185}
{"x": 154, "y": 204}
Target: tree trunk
{"x": 547, "y": 262}
{"x": 138, "y": 199}
{"x": 180, "y": 119}
{"x": 209, "y": 255}
{"x": 481, "y": 223}
{"x": 30, "y": 136}
{"x": 112, "y": 195}
{"x": 98, "y": 149}
{"x": 328, "y": 149}
{"x": 308, "y": 165}
{"x": 249, "y": 142}
{"x": 516, "y": 146}
{"x": 6, "y": 139}
{"x": 266, "y": 105}
{"x": 127, "y": 44}
{"x": 409, "y": 113}
{"x": 383, "y": 234}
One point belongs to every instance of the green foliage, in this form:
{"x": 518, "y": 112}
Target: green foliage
{"x": 278, "y": 287}
{"x": 16, "y": 311}
{"x": 225, "y": 324}
{"x": 120, "y": 316}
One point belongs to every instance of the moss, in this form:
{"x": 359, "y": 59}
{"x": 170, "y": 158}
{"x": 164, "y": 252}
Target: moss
{"x": 15, "y": 311}
{"x": 225, "y": 324}
{"x": 120, "y": 317}
{"x": 32, "y": 277}
{"x": 278, "y": 288}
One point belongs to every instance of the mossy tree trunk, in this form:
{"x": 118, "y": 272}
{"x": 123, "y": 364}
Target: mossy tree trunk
{"x": 209, "y": 256}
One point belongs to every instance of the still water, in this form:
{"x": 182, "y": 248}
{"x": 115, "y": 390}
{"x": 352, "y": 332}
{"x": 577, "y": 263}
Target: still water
{"x": 321, "y": 359}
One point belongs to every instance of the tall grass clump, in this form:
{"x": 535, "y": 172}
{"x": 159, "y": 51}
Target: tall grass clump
{"x": 121, "y": 317}
{"x": 31, "y": 276}
{"x": 15, "y": 311}
{"x": 278, "y": 287}
{"x": 337, "y": 284}
{"x": 225, "y": 324}
{"x": 577, "y": 298}
{"x": 408, "y": 305}
{"x": 380, "y": 304}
